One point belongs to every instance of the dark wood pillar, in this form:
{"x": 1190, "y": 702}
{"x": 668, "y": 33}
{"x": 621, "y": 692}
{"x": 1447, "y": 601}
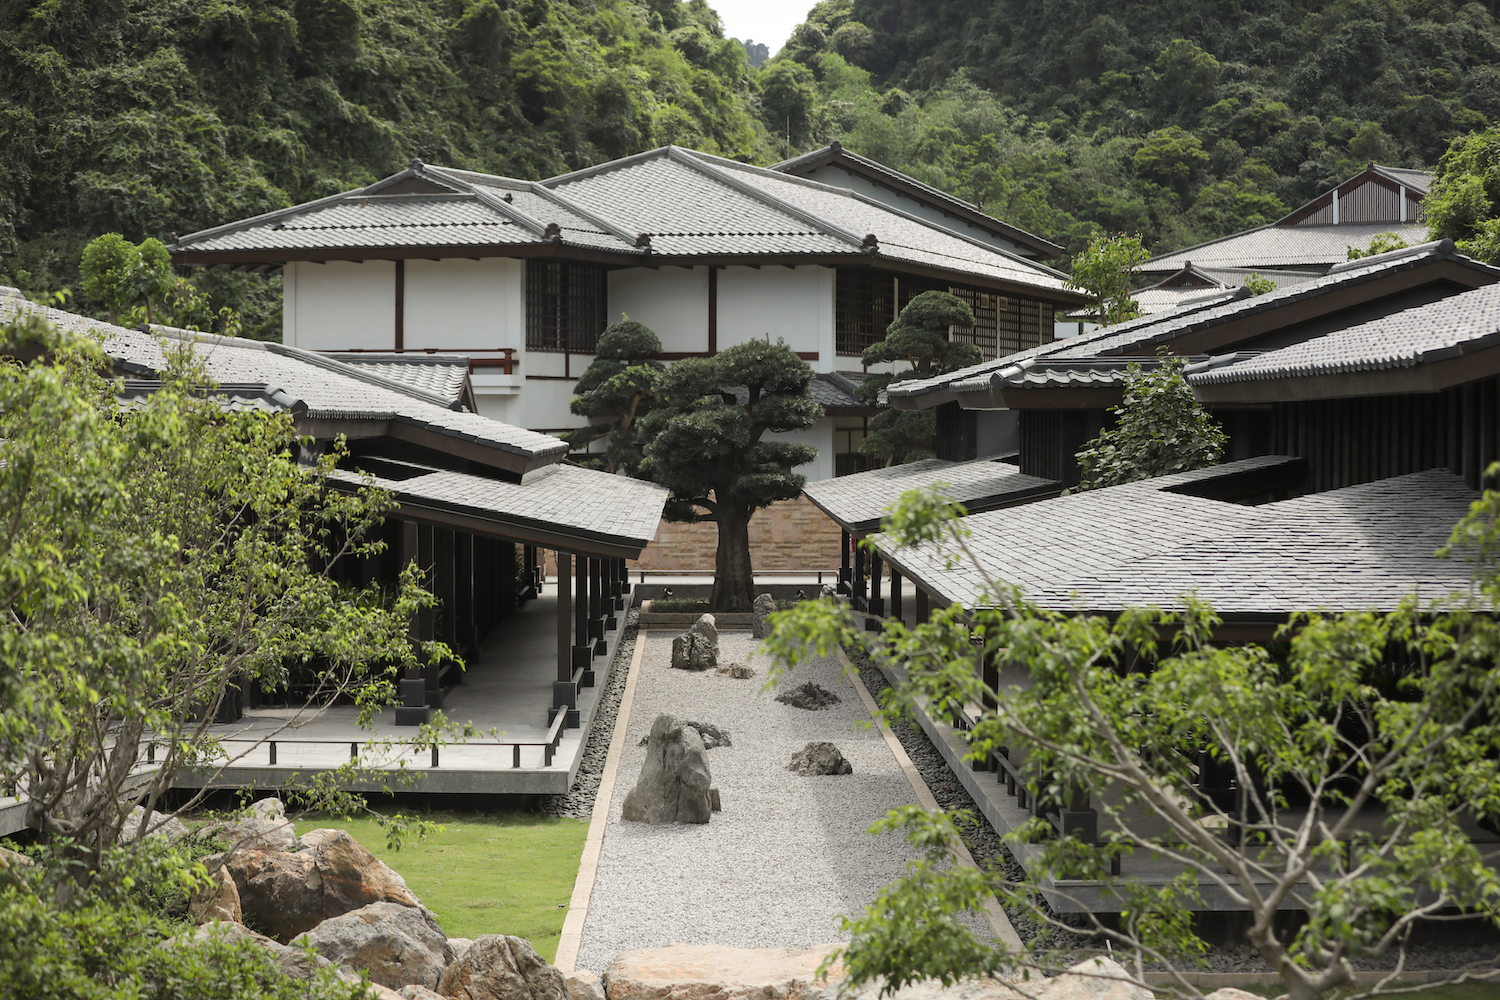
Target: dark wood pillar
{"x": 596, "y": 599}
{"x": 896, "y": 595}
{"x": 413, "y": 710}
{"x": 859, "y": 576}
{"x": 924, "y": 606}
{"x": 443, "y": 540}
{"x": 564, "y": 618}
{"x": 505, "y": 579}
{"x": 427, "y": 618}
{"x": 845, "y": 572}
{"x": 464, "y": 590}
{"x": 583, "y": 652}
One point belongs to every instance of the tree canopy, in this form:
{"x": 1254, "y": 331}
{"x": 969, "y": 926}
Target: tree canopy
{"x": 919, "y": 338}
{"x": 707, "y": 442}
{"x": 616, "y": 393}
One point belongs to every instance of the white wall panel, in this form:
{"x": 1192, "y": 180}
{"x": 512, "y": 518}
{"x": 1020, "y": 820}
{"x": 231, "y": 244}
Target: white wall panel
{"x": 342, "y": 304}
{"x": 461, "y": 304}
{"x": 672, "y": 301}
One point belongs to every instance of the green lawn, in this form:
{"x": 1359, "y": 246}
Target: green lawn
{"x": 485, "y": 874}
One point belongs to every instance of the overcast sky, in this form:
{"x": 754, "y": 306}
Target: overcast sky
{"x": 768, "y": 21}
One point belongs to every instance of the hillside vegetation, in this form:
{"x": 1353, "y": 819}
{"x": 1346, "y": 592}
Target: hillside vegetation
{"x": 1173, "y": 120}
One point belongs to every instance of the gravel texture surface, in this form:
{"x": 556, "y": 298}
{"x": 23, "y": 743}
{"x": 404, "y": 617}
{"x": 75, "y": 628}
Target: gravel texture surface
{"x": 786, "y": 857}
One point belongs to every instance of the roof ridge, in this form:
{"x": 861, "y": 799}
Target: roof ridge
{"x": 587, "y": 214}
{"x": 780, "y": 204}
{"x": 874, "y": 203}
{"x": 490, "y": 200}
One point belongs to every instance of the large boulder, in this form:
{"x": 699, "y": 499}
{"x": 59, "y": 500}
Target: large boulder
{"x": 220, "y": 900}
{"x": 708, "y": 972}
{"x": 691, "y": 651}
{"x": 294, "y": 962}
{"x": 291, "y": 892}
{"x": 1094, "y": 979}
{"x": 458, "y": 948}
{"x": 711, "y": 735}
{"x": 157, "y": 825}
{"x": 502, "y": 967}
{"x": 706, "y": 627}
{"x": 819, "y": 758}
{"x": 262, "y": 826}
{"x": 397, "y": 945}
{"x": 419, "y": 993}
{"x": 760, "y": 625}
{"x": 675, "y": 783}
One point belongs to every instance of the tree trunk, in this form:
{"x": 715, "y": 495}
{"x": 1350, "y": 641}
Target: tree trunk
{"x": 734, "y": 583}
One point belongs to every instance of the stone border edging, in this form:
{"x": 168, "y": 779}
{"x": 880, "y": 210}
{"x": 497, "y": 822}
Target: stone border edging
{"x": 1000, "y": 925}
{"x": 571, "y": 940}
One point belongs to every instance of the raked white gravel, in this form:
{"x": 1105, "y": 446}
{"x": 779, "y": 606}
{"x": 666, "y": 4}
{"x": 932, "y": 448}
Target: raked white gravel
{"x": 787, "y": 856}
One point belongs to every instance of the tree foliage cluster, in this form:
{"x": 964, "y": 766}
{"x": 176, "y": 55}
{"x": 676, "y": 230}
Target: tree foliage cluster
{"x": 1171, "y": 120}
{"x": 1337, "y": 771}
{"x": 172, "y": 116}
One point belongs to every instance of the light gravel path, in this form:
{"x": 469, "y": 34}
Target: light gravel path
{"x": 786, "y": 857}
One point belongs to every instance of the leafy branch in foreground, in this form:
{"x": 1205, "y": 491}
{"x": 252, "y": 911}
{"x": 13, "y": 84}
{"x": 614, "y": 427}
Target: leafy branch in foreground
{"x": 154, "y": 561}
{"x": 1336, "y": 773}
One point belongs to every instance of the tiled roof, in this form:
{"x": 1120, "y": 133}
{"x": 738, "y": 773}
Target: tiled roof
{"x": 234, "y": 398}
{"x": 1364, "y": 547}
{"x": 838, "y": 391}
{"x": 330, "y": 388}
{"x": 667, "y": 203}
{"x": 836, "y": 153}
{"x": 859, "y": 501}
{"x": 1277, "y": 246}
{"x": 584, "y": 503}
{"x": 442, "y": 375}
{"x": 1159, "y": 300}
{"x": 1417, "y": 180}
{"x": 1448, "y": 328}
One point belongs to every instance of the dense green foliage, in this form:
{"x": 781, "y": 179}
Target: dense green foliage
{"x": 1106, "y": 270}
{"x": 707, "y": 441}
{"x": 1465, "y": 199}
{"x": 1360, "y": 752}
{"x": 919, "y": 338}
{"x": 1160, "y": 428}
{"x": 151, "y": 117}
{"x": 1174, "y": 120}
{"x": 615, "y": 393}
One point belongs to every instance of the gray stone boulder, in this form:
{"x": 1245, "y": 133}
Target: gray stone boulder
{"x": 675, "y": 784}
{"x": 712, "y": 736}
{"x": 809, "y": 695}
{"x": 819, "y": 758}
{"x": 262, "y": 826}
{"x": 397, "y": 945}
{"x": 764, "y": 605}
{"x": 458, "y": 948}
{"x": 294, "y": 962}
{"x": 584, "y": 985}
{"x": 502, "y": 967}
{"x": 419, "y": 993}
{"x": 157, "y": 825}
{"x": 738, "y": 671}
{"x": 709, "y": 630}
{"x": 220, "y": 900}
{"x": 691, "y": 651}
{"x": 294, "y": 891}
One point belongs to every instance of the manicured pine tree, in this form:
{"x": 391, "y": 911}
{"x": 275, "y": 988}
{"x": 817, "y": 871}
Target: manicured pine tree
{"x": 616, "y": 393}
{"x": 706, "y": 443}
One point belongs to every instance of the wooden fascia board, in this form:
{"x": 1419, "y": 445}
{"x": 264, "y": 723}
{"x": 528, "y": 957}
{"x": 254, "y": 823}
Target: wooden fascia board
{"x": 529, "y": 534}
{"x": 352, "y": 428}
{"x": 1055, "y": 398}
{"x": 1421, "y": 378}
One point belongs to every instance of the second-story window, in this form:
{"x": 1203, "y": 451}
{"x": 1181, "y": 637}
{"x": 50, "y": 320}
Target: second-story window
{"x": 566, "y": 307}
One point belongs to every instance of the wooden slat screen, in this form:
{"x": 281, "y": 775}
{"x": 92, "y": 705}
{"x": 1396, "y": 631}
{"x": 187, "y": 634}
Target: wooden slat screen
{"x": 566, "y": 306}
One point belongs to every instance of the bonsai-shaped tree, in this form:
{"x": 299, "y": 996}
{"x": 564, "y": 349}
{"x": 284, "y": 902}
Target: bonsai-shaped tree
{"x": 121, "y": 275}
{"x": 1162, "y": 429}
{"x": 1104, "y": 269}
{"x": 919, "y": 336}
{"x": 704, "y": 443}
{"x": 615, "y": 393}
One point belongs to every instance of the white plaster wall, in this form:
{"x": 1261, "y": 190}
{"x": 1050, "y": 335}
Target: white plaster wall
{"x": 820, "y": 436}
{"x": 339, "y": 305}
{"x": 465, "y": 305}
{"x": 672, "y": 301}
{"x": 835, "y": 177}
{"x": 544, "y": 402}
{"x": 795, "y": 304}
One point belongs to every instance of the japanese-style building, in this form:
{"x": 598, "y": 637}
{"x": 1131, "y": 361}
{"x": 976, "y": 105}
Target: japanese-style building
{"x": 522, "y": 276}
{"x": 480, "y": 503}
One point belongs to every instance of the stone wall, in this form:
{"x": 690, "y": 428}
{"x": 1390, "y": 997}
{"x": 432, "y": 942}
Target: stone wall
{"x": 789, "y": 536}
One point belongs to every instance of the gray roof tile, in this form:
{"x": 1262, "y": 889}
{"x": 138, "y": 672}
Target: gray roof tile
{"x": 443, "y": 375}
{"x": 1364, "y": 547}
{"x": 1284, "y": 246}
{"x": 859, "y": 501}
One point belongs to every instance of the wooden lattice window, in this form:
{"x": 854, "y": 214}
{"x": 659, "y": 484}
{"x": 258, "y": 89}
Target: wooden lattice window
{"x": 1022, "y": 324}
{"x": 983, "y": 334}
{"x": 566, "y": 306}
{"x": 864, "y": 305}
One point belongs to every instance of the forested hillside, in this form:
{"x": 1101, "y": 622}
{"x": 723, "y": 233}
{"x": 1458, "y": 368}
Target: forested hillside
{"x": 153, "y": 116}
{"x": 1176, "y": 120}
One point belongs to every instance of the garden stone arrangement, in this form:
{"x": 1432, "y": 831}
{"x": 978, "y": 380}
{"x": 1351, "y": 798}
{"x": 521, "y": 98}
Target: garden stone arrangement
{"x": 794, "y": 848}
{"x": 697, "y": 649}
{"x": 675, "y": 785}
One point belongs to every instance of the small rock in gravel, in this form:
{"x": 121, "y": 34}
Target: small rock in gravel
{"x": 809, "y": 695}
{"x": 819, "y": 758}
{"x": 738, "y": 671}
{"x": 712, "y": 735}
